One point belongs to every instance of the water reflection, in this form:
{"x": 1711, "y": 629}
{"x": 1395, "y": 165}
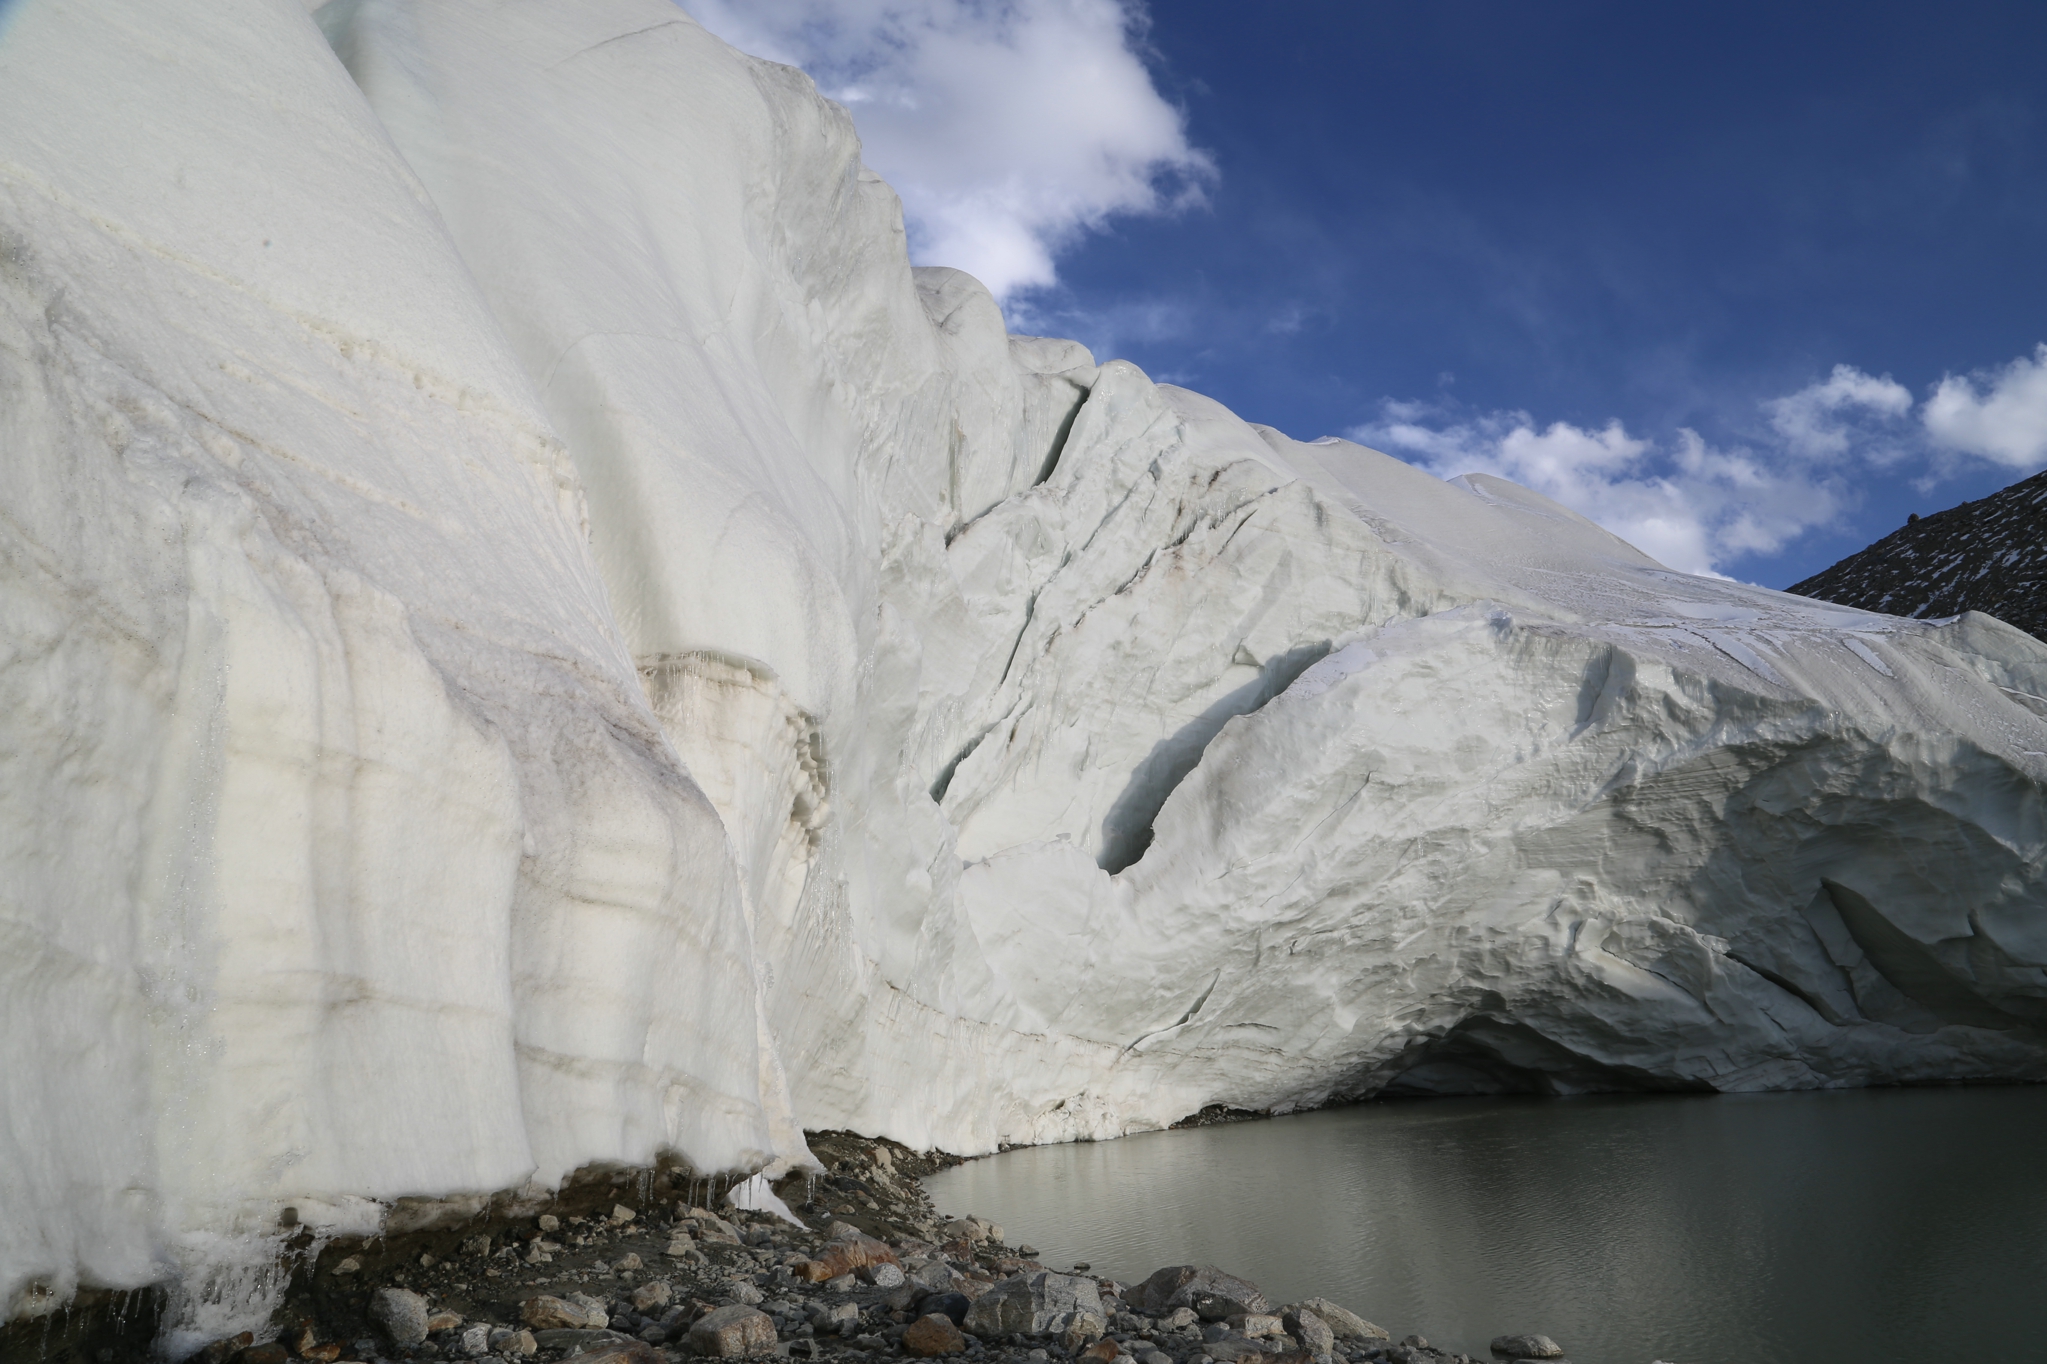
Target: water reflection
{"x": 1869, "y": 1225}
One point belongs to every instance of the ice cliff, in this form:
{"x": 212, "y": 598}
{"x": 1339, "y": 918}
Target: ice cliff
{"x": 530, "y": 636}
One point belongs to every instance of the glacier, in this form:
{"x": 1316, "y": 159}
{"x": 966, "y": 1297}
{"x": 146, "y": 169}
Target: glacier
{"x": 531, "y": 638}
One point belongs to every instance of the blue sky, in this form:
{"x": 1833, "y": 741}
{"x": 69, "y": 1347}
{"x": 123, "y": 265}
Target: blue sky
{"x": 1745, "y": 282}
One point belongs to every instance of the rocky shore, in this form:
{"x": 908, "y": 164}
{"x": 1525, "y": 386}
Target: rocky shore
{"x": 639, "y": 1270}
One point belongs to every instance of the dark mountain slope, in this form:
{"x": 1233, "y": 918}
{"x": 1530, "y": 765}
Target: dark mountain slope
{"x": 1989, "y": 555}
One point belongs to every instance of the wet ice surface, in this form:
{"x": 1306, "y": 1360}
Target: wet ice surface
{"x": 1869, "y": 1225}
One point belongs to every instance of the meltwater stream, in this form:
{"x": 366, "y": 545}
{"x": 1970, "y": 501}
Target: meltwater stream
{"x": 1871, "y": 1226}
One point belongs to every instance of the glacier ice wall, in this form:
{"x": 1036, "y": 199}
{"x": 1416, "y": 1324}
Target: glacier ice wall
{"x": 532, "y": 636}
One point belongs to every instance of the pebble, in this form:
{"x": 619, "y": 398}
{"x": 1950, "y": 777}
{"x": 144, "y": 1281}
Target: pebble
{"x": 750, "y": 1285}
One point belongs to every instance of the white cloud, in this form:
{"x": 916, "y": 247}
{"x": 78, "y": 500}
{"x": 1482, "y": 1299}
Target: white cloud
{"x": 2008, "y": 424}
{"x": 1008, "y": 127}
{"x": 1685, "y": 503}
{"x": 1819, "y": 420}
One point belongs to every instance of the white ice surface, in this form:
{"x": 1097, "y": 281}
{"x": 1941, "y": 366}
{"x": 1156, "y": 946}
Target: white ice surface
{"x": 530, "y": 636}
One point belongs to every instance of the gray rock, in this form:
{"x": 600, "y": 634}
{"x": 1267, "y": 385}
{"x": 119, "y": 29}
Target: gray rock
{"x": 1315, "y": 1335}
{"x": 572, "y": 1340}
{"x": 1347, "y": 1324}
{"x": 1217, "y": 1307}
{"x": 733, "y": 1333}
{"x": 839, "y": 1319}
{"x": 740, "y": 1291}
{"x": 1043, "y": 1303}
{"x": 954, "y": 1305}
{"x": 1178, "y": 1286}
{"x": 884, "y": 1275}
{"x": 936, "y": 1275}
{"x": 473, "y": 1341}
{"x": 400, "y": 1314}
{"x": 652, "y": 1297}
{"x": 514, "y": 1344}
{"x": 1528, "y": 1347}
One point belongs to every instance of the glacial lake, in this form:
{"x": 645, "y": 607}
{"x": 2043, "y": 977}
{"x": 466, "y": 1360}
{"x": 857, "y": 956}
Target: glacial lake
{"x": 1868, "y": 1226}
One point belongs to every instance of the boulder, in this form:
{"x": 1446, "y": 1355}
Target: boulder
{"x": 953, "y": 1305}
{"x": 969, "y": 1229}
{"x": 844, "y": 1255}
{"x": 733, "y": 1333}
{"x": 1315, "y": 1335}
{"x": 1178, "y": 1286}
{"x": 1347, "y": 1324}
{"x": 513, "y": 1344}
{"x": 652, "y": 1297}
{"x": 1527, "y": 1347}
{"x": 711, "y": 1227}
{"x": 933, "y": 1334}
{"x": 623, "y": 1352}
{"x": 578, "y": 1341}
{"x": 1219, "y": 1307}
{"x": 838, "y": 1319}
{"x": 1257, "y": 1325}
{"x": 546, "y": 1312}
{"x": 1039, "y": 1304}
{"x": 400, "y": 1314}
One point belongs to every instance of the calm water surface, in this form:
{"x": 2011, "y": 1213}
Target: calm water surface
{"x": 1869, "y": 1226}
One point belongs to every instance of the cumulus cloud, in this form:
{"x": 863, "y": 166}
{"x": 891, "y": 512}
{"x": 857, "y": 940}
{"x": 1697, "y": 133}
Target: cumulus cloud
{"x": 1684, "y": 502}
{"x": 1009, "y": 127}
{"x": 1819, "y": 420}
{"x": 2005, "y": 423}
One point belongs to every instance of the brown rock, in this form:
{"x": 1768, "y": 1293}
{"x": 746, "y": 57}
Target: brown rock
{"x": 270, "y": 1352}
{"x": 1102, "y": 1351}
{"x": 321, "y": 1354}
{"x": 649, "y": 1296}
{"x": 733, "y": 1333}
{"x": 625, "y": 1352}
{"x": 845, "y": 1255}
{"x": 220, "y": 1351}
{"x": 548, "y": 1313}
{"x": 443, "y": 1321}
{"x": 933, "y": 1335}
